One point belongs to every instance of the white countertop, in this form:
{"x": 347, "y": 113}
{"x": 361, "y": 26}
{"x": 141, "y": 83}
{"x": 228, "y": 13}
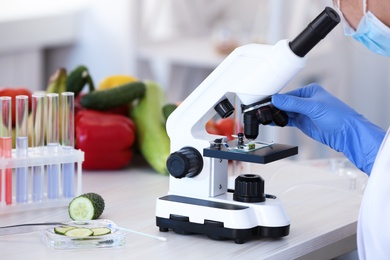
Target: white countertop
{"x": 322, "y": 204}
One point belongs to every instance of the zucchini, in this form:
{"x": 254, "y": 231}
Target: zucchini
{"x": 79, "y": 232}
{"x": 77, "y": 79}
{"x": 86, "y": 207}
{"x": 167, "y": 110}
{"x": 113, "y": 97}
{"x": 152, "y": 138}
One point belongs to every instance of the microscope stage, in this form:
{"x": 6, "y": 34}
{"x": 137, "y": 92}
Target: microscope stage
{"x": 264, "y": 155}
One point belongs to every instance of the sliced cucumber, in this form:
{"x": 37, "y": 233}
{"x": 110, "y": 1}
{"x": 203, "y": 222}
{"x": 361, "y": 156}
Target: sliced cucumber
{"x": 99, "y": 231}
{"x": 79, "y": 232}
{"x": 61, "y": 230}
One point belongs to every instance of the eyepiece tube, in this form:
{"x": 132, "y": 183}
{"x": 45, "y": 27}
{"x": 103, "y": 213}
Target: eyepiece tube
{"x": 315, "y": 32}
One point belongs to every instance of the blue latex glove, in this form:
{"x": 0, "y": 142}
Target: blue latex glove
{"x": 328, "y": 120}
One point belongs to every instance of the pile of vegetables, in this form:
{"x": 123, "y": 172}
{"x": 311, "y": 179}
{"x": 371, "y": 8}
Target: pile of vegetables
{"x": 119, "y": 116}
{"x": 113, "y": 120}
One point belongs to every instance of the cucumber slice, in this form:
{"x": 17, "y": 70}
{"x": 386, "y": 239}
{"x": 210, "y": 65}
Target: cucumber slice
{"x": 61, "y": 230}
{"x": 99, "y": 231}
{"x": 79, "y": 232}
{"x": 81, "y": 208}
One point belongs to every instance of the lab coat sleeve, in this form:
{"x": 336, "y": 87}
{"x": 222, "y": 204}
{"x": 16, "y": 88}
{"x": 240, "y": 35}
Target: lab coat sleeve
{"x": 373, "y": 232}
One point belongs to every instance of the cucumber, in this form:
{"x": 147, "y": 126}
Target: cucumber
{"x": 77, "y": 79}
{"x": 152, "y": 137}
{"x": 86, "y": 207}
{"x": 79, "y": 232}
{"x": 100, "y": 231}
{"x": 113, "y": 97}
{"x": 73, "y": 231}
{"x": 61, "y": 230}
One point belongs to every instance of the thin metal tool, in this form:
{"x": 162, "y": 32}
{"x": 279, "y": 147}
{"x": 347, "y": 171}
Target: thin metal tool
{"x": 26, "y": 228}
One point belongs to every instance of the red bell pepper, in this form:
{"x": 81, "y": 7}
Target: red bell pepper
{"x": 13, "y": 92}
{"x": 105, "y": 138}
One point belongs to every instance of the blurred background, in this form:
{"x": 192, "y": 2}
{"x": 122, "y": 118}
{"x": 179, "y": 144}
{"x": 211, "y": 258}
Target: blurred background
{"x": 178, "y": 43}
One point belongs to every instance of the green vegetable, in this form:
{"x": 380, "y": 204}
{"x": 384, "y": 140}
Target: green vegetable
{"x": 100, "y": 231}
{"x": 77, "y": 79}
{"x": 79, "y": 232}
{"x": 152, "y": 137}
{"x": 86, "y": 207}
{"x": 113, "y": 97}
{"x": 57, "y": 82}
{"x": 168, "y": 109}
{"x": 61, "y": 230}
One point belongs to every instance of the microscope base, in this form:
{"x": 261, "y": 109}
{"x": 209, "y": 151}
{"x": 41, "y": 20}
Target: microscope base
{"x": 204, "y": 214}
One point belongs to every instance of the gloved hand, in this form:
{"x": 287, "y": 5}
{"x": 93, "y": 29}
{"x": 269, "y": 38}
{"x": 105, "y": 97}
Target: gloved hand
{"x": 328, "y": 120}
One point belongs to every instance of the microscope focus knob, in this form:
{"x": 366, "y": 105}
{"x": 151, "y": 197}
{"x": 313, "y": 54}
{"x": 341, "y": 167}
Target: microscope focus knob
{"x": 187, "y": 162}
{"x": 249, "y": 188}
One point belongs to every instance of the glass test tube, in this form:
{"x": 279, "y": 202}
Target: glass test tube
{"x": 21, "y": 147}
{"x": 6, "y": 147}
{"x": 68, "y": 169}
{"x": 52, "y": 142}
{"x": 38, "y": 142}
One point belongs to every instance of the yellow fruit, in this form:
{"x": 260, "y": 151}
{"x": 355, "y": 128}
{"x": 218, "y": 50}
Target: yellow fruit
{"x": 115, "y": 81}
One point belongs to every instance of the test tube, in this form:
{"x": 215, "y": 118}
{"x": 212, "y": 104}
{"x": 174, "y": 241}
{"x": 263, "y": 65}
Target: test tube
{"x": 52, "y": 142}
{"x": 6, "y": 147}
{"x": 37, "y": 141}
{"x": 21, "y": 147}
{"x": 68, "y": 169}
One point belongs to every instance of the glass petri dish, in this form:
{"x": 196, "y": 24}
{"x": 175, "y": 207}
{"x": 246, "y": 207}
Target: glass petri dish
{"x": 115, "y": 238}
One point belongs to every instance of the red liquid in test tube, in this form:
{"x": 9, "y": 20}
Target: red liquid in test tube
{"x": 6, "y": 147}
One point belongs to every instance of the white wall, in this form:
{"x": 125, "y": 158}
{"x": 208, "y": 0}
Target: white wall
{"x": 106, "y": 41}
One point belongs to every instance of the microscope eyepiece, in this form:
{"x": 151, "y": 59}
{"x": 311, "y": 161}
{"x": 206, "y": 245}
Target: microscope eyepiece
{"x": 224, "y": 108}
{"x": 315, "y": 32}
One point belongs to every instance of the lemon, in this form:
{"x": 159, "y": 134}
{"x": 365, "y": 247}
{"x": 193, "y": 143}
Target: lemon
{"x": 115, "y": 81}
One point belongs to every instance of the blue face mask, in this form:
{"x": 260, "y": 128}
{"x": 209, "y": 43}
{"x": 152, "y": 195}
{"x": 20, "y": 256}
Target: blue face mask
{"x": 374, "y": 34}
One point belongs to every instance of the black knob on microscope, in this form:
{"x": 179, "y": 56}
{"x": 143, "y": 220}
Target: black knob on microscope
{"x": 249, "y": 188}
{"x": 187, "y": 162}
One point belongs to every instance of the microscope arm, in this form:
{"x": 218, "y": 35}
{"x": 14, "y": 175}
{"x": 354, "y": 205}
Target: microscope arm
{"x": 252, "y": 72}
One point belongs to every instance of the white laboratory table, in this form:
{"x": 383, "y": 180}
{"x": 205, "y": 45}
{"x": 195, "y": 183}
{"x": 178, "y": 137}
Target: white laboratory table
{"x": 321, "y": 199}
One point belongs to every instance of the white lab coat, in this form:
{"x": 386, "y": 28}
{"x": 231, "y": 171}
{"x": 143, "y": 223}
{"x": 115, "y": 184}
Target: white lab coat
{"x": 373, "y": 234}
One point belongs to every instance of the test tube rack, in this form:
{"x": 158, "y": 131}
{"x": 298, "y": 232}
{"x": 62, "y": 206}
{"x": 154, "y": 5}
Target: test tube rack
{"x": 40, "y": 156}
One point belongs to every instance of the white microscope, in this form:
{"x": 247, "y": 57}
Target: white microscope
{"x": 199, "y": 201}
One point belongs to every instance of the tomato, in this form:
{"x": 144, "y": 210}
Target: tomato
{"x": 225, "y": 126}
{"x": 210, "y": 128}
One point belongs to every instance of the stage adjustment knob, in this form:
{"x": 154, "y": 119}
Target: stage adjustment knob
{"x": 249, "y": 188}
{"x": 187, "y": 162}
